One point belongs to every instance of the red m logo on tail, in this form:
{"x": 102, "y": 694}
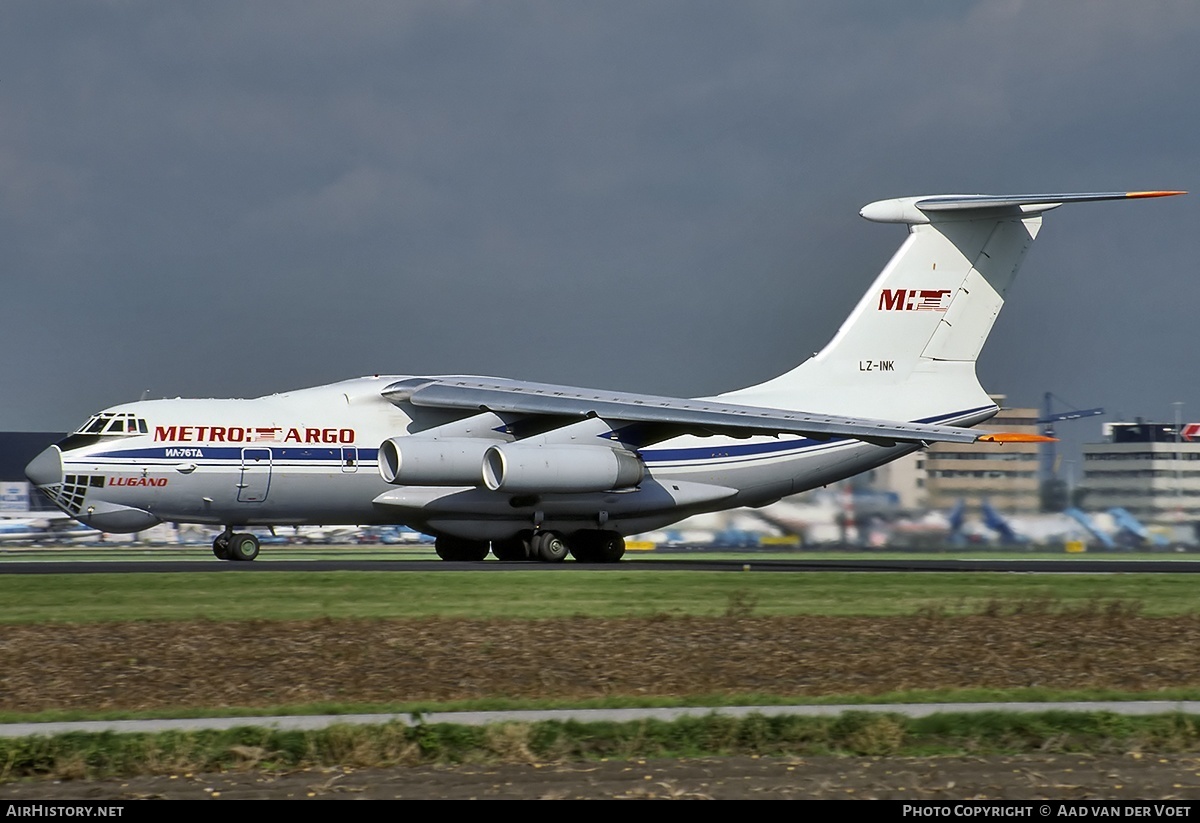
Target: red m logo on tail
{"x": 914, "y": 299}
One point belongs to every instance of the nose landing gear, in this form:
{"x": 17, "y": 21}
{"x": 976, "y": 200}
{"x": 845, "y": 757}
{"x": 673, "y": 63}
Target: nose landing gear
{"x": 235, "y": 546}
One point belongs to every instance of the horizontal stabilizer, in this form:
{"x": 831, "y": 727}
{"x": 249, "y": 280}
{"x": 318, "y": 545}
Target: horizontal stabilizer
{"x": 986, "y": 201}
{"x": 917, "y": 210}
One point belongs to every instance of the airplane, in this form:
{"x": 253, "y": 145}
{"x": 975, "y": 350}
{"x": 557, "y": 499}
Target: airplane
{"x": 995, "y": 521}
{"x": 536, "y": 471}
{"x": 53, "y": 527}
{"x": 22, "y": 529}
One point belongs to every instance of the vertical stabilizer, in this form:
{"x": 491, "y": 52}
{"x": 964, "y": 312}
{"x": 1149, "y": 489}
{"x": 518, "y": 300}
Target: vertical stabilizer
{"x": 908, "y": 349}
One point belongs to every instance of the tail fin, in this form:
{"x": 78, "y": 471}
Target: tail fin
{"x": 909, "y": 347}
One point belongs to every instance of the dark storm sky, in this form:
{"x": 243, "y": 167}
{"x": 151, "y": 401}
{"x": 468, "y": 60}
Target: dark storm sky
{"x": 229, "y": 198}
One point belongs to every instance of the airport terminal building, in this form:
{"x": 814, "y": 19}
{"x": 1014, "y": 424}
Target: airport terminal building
{"x": 1152, "y": 470}
{"x": 1004, "y": 474}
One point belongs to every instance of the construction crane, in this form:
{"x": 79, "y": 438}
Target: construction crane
{"x": 1048, "y": 464}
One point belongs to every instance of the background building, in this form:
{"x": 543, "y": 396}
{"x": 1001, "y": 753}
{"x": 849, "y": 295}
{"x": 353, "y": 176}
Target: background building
{"x": 1004, "y": 474}
{"x": 905, "y": 478}
{"x": 1152, "y": 470}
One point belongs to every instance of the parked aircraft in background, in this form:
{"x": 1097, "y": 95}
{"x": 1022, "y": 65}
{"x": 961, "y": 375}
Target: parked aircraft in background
{"x": 21, "y": 529}
{"x": 533, "y": 470}
{"x": 46, "y": 527}
{"x": 1118, "y": 529}
{"x": 999, "y": 524}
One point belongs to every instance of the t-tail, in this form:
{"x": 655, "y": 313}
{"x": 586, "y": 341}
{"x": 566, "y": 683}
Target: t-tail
{"x": 910, "y": 345}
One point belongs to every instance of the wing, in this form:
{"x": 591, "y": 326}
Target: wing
{"x": 660, "y": 418}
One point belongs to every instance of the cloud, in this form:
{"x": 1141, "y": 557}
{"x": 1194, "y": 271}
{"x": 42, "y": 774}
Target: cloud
{"x": 238, "y": 198}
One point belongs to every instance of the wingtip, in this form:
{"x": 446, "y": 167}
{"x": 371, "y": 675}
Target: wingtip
{"x": 1136, "y": 194}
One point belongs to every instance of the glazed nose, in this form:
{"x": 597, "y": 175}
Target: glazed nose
{"x": 46, "y": 469}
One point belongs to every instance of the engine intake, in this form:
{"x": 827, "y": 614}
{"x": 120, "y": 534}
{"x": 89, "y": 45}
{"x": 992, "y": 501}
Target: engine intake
{"x": 414, "y": 461}
{"x": 537, "y": 469}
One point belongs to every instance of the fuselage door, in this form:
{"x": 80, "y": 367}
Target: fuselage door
{"x": 255, "y": 478}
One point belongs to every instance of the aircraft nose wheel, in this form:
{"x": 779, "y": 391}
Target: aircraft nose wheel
{"x": 243, "y": 547}
{"x": 230, "y": 546}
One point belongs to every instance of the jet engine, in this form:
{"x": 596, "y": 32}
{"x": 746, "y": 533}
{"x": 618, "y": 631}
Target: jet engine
{"x": 566, "y": 469}
{"x": 415, "y": 461}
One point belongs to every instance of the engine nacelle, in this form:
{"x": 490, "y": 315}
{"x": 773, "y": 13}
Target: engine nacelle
{"x": 416, "y": 461}
{"x": 566, "y": 469}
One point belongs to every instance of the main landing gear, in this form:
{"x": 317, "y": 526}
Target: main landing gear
{"x": 456, "y": 548}
{"x": 587, "y": 546}
{"x": 235, "y": 546}
{"x": 597, "y": 547}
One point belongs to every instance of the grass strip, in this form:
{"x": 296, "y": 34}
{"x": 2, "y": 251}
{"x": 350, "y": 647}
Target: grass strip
{"x": 99, "y": 598}
{"x": 96, "y": 756}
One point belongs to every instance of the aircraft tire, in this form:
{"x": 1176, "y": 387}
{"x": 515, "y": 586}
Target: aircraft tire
{"x": 514, "y": 548}
{"x": 584, "y": 547}
{"x": 549, "y": 547}
{"x": 221, "y": 548}
{"x": 611, "y": 548}
{"x": 456, "y": 548}
{"x": 597, "y": 547}
{"x": 582, "y": 550}
{"x": 243, "y": 547}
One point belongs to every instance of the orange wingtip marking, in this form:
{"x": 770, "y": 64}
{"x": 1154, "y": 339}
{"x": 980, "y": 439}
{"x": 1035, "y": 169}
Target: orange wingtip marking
{"x": 1015, "y": 437}
{"x": 1153, "y": 193}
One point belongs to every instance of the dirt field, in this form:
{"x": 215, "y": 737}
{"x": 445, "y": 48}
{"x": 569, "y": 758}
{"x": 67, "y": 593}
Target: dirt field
{"x": 148, "y": 665}
{"x": 205, "y": 663}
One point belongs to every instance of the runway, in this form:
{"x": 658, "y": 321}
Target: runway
{"x": 199, "y": 561}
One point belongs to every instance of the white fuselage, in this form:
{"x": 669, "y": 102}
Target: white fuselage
{"x": 311, "y": 457}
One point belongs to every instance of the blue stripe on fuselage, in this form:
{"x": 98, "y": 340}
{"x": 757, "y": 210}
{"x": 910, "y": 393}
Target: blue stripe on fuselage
{"x": 233, "y": 453}
{"x": 763, "y": 449}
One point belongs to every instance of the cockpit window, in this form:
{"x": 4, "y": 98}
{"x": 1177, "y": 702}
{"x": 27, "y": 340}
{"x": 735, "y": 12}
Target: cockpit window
{"x": 114, "y": 423}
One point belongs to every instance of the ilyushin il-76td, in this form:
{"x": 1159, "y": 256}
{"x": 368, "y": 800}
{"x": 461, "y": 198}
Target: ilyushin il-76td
{"x": 533, "y": 471}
